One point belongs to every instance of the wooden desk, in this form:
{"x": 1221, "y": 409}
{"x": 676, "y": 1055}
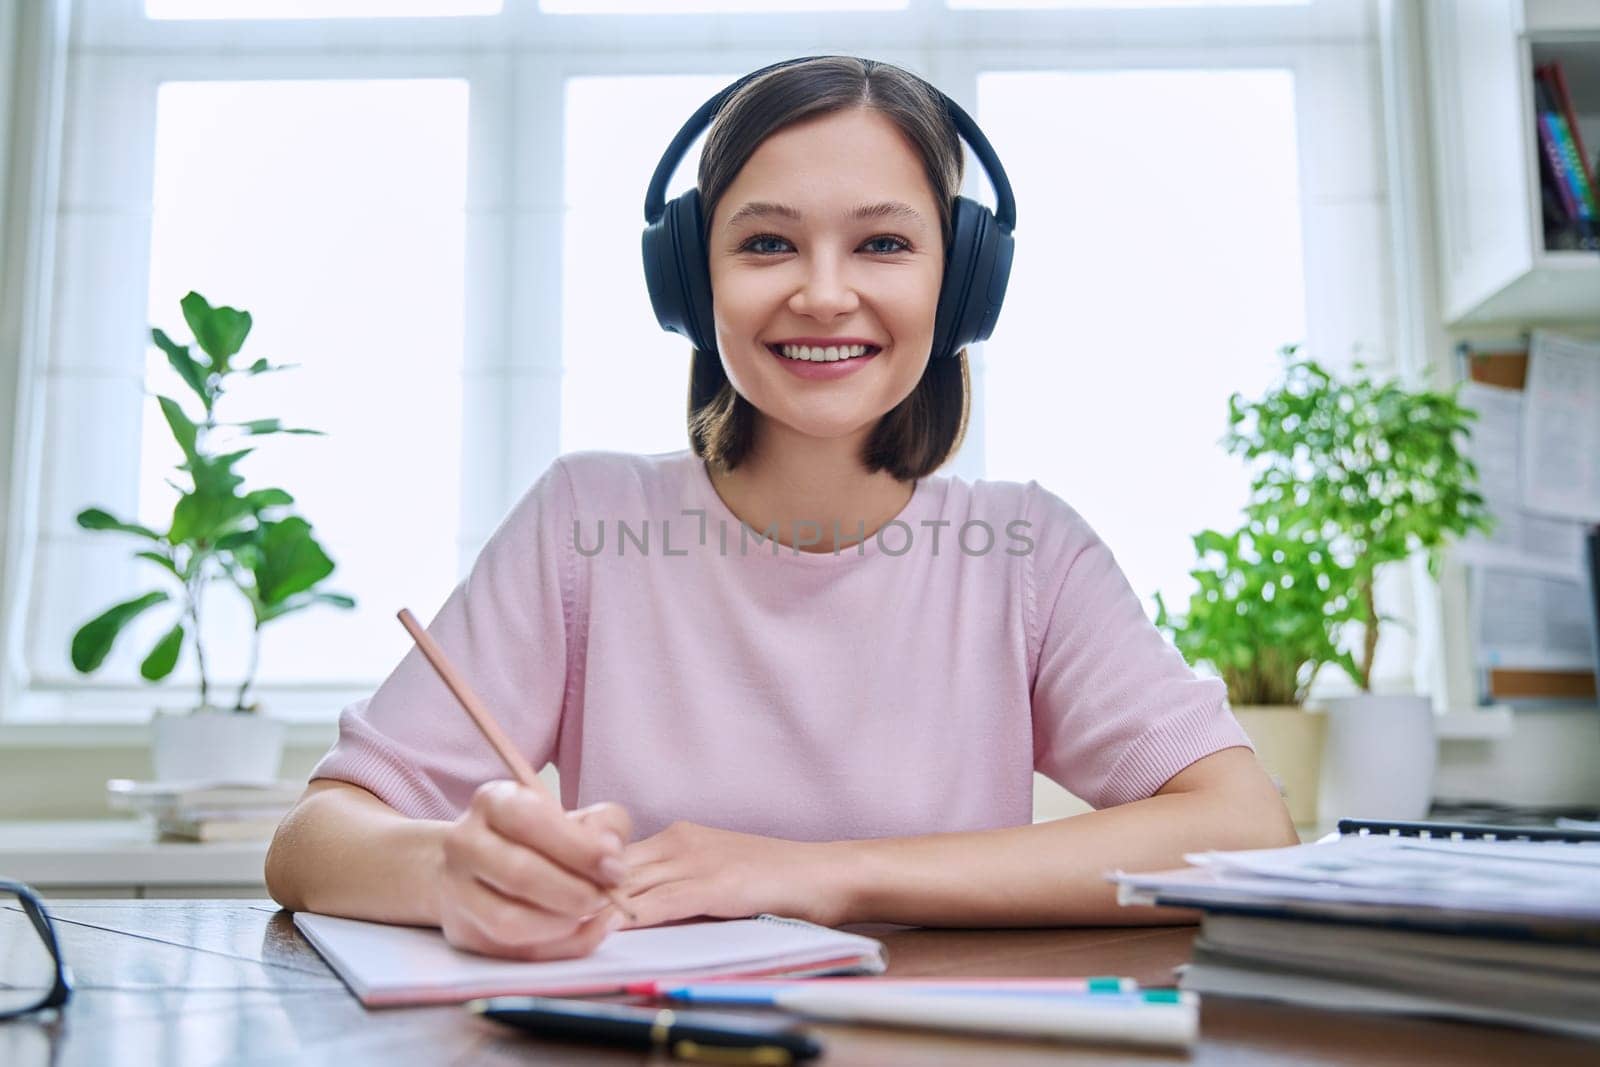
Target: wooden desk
{"x": 185, "y": 983}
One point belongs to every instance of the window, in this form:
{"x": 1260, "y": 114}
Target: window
{"x": 272, "y": 196}
{"x": 314, "y": 9}
{"x": 438, "y": 218}
{"x": 619, "y": 366}
{"x": 707, "y": 7}
{"x": 991, "y": 5}
{"x": 1159, "y": 271}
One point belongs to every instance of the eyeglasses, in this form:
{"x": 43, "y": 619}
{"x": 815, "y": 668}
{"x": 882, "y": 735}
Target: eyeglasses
{"x": 32, "y": 976}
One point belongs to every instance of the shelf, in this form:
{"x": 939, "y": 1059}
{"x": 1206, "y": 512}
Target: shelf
{"x": 1560, "y": 287}
{"x": 1494, "y": 267}
{"x": 122, "y": 854}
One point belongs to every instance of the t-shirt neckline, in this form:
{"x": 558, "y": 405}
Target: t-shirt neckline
{"x": 757, "y": 546}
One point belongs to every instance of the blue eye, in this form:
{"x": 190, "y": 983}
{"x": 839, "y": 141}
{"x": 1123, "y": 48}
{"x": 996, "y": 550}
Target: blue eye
{"x": 767, "y": 244}
{"x": 762, "y": 245}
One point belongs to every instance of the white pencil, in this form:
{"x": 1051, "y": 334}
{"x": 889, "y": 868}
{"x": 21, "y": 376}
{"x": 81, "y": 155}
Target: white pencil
{"x": 1113, "y": 1020}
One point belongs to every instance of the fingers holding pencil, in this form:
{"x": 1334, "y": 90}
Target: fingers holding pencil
{"x": 503, "y": 892}
{"x": 577, "y": 856}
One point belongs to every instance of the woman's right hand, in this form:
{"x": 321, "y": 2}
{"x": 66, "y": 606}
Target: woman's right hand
{"x": 520, "y": 876}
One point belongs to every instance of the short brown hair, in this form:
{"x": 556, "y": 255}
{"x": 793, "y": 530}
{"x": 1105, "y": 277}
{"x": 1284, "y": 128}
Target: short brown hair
{"x": 923, "y": 431}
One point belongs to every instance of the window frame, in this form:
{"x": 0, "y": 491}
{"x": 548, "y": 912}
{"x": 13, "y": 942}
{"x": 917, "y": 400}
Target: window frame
{"x": 516, "y": 64}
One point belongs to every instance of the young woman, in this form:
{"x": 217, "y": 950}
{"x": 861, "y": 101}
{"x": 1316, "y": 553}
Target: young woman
{"x": 789, "y": 669}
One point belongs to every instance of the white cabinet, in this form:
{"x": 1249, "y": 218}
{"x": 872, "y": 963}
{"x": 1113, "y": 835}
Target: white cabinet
{"x": 1493, "y": 266}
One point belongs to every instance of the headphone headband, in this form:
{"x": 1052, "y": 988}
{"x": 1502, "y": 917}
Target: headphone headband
{"x": 655, "y": 195}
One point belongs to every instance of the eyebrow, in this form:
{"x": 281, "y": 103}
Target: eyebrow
{"x": 887, "y": 209}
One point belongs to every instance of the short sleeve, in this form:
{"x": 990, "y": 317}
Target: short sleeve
{"x": 505, "y": 627}
{"x": 1116, "y": 710}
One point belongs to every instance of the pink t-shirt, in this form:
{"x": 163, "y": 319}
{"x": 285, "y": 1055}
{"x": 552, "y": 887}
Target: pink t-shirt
{"x": 625, "y": 624}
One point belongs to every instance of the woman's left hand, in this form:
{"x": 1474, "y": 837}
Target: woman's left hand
{"x": 688, "y": 871}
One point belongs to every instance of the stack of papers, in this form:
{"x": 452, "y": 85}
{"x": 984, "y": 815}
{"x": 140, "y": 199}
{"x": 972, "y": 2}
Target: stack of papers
{"x": 207, "y": 810}
{"x": 1504, "y": 931}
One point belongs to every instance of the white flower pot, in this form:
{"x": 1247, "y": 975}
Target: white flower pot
{"x": 1288, "y": 742}
{"x": 216, "y": 745}
{"x": 1379, "y": 758}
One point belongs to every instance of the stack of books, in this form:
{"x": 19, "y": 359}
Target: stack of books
{"x": 1492, "y": 930}
{"x": 1567, "y": 179}
{"x": 207, "y": 810}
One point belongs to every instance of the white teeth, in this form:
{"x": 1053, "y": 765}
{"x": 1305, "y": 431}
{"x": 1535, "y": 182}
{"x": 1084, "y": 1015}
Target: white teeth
{"x": 823, "y": 355}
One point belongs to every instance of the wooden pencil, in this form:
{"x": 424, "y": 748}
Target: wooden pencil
{"x": 475, "y": 709}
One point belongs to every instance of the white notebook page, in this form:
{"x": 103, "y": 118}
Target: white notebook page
{"x": 385, "y": 964}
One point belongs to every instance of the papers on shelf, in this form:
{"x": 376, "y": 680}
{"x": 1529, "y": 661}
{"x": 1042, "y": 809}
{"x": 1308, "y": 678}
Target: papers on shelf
{"x": 1530, "y": 620}
{"x": 1529, "y": 602}
{"x": 1561, "y": 443}
{"x": 1522, "y": 540}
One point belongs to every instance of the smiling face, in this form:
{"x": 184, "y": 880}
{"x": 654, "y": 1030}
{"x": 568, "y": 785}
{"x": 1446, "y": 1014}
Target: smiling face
{"x": 828, "y": 239}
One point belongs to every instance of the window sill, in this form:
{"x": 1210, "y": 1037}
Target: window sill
{"x": 1476, "y": 724}
{"x": 123, "y": 854}
{"x": 121, "y": 733}
{"x": 112, "y": 717}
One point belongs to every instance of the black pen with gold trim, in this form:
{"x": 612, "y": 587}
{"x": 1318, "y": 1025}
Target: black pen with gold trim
{"x": 701, "y": 1036}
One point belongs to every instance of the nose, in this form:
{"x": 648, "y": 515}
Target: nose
{"x": 825, "y": 292}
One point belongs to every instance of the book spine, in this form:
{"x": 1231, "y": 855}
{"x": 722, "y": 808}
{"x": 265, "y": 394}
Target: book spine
{"x": 1588, "y": 223}
{"x": 1550, "y": 144}
{"x": 1582, "y": 192}
{"x": 1568, "y": 171}
{"x": 1558, "y": 84}
{"x": 1558, "y": 165}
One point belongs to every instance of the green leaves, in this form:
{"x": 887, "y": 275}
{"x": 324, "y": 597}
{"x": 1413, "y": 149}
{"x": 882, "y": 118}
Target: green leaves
{"x": 262, "y": 426}
{"x": 95, "y": 519}
{"x": 1371, "y": 467}
{"x": 159, "y": 663}
{"x": 291, "y": 561}
{"x": 1262, "y": 616}
{"x": 219, "y": 531}
{"x": 1372, "y": 463}
{"x": 188, "y": 368}
{"x": 184, "y": 430}
{"x": 285, "y": 562}
{"x": 93, "y": 641}
{"x": 219, "y": 331}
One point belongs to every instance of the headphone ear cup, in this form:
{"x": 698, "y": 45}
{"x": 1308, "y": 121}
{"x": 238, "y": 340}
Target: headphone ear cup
{"x": 661, "y": 274}
{"x": 676, "y": 273}
{"x": 976, "y": 271}
{"x": 695, "y": 269}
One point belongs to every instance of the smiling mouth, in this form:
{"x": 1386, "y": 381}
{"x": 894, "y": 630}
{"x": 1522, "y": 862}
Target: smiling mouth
{"x": 813, "y": 354}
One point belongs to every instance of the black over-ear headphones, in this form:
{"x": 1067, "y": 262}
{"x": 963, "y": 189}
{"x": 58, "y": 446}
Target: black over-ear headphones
{"x": 977, "y": 263}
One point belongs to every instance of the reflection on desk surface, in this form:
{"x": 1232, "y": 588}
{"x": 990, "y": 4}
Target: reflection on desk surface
{"x": 189, "y": 983}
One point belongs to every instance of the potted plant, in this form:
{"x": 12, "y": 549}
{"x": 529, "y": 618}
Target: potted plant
{"x": 1377, "y": 471}
{"x": 1265, "y": 617}
{"x": 218, "y": 533}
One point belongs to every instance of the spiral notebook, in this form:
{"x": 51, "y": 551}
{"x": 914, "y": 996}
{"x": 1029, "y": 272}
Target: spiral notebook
{"x": 393, "y": 965}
